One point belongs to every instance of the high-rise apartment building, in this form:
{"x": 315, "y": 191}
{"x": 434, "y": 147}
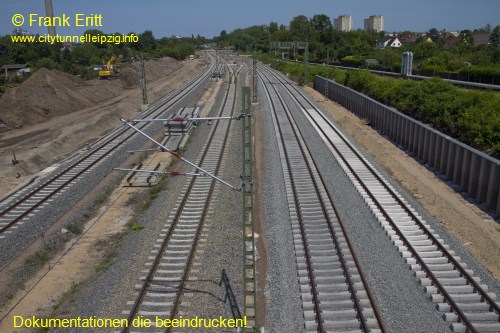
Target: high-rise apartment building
{"x": 374, "y": 23}
{"x": 343, "y": 23}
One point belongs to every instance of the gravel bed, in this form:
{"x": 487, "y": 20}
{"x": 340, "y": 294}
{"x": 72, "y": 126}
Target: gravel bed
{"x": 72, "y": 197}
{"x": 31, "y": 230}
{"x": 455, "y": 244}
{"x": 107, "y": 293}
{"x": 222, "y": 249}
{"x": 37, "y": 224}
{"x": 283, "y": 303}
{"x": 400, "y": 297}
{"x": 383, "y": 265}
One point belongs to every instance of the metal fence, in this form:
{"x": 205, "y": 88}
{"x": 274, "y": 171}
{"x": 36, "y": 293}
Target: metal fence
{"x": 470, "y": 170}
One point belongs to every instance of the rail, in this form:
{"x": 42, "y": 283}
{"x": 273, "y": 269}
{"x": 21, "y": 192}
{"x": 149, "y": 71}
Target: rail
{"x": 471, "y": 170}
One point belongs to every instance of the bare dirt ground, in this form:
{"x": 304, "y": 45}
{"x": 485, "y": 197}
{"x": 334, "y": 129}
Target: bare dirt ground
{"x": 479, "y": 233}
{"x": 80, "y": 112}
{"x": 44, "y": 292}
{"x": 50, "y": 288}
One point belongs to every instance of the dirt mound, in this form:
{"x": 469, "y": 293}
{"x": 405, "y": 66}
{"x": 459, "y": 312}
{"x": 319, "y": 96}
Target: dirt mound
{"x": 155, "y": 69}
{"x": 51, "y": 93}
{"x": 44, "y": 95}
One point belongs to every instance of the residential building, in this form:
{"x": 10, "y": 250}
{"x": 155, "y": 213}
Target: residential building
{"x": 343, "y": 23}
{"x": 388, "y": 41}
{"x": 407, "y": 38}
{"x": 20, "y": 32}
{"x": 426, "y": 38}
{"x": 451, "y": 40}
{"x": 447, "y": 34}
{"x": 18, "y": 69}
{"x": 374, "y": 23}
{"x": 481, "y": 38}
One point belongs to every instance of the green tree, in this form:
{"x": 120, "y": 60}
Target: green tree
{"x": 321, "y": 23}
{"x": 323, "y": 28}
{"x": 434, "y": 34}
{"x": 46, "y": 63}
{"x": 147, "y": 41}
{"x": 495, "y": 36}
{"x": 95, "y": 32}
{"x": 300, "y": 28}
{"x": 273, "y": 27}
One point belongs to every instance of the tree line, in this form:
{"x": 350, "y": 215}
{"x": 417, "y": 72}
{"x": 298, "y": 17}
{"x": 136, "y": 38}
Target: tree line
{"x": 78, "y": 59}
{"x": 327, "y": 45}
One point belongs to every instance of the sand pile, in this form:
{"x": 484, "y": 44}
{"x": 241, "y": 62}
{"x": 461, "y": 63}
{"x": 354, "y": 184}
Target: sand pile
{"x": 155, "y": 69}
{"x": 51, "y": 93}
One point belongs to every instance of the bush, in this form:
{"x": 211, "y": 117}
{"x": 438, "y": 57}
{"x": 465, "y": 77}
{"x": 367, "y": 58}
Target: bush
{"x": 472, "y": 117}
{"x": 359, "y": 80}
{"x": 46, "y": 63}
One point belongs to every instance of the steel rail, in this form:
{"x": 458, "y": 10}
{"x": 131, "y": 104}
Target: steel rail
{"x": 175, "y": 310}
{"x": 154, "y": 267}
{"x": 435, "y": 281}
{"x": 378, "y": 315}
{"x": 333, "y": 233}
{"x": 310, "y": 267}
{"x": 108, "y": 139}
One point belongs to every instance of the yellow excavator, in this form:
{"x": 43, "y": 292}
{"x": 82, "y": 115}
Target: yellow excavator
{"x": 110, "y": 69}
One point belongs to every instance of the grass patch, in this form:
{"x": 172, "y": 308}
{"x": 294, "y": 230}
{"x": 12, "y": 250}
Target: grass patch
{"x": 67, "y": 295}
{"x": 136, "y": 227}
{"x": 74, "y": 228}
{"x": 38, "y": 260}
{"x": 173, "y": 161}
{"x": 102, "y": 197}
{"x": 105, "y": 263}
{"x": 55, "y": 242}
{"x": 153, "y": 193}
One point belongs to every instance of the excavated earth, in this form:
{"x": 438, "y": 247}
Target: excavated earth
{"x": 52, "y": 114}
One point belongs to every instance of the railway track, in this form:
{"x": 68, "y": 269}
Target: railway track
{"x": 164, "y": 278}
{"x": 454, "y": 288}
{"x": 20, "y": 206}
{"x": 335, "y": 295}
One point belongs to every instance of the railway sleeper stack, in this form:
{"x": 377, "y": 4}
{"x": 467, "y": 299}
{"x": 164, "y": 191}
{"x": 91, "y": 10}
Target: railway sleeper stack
{"x": 143, "y": 179}
{"x": 174, "y": 143}
{"x": 218, "y": 72}
{"x": 180, "y": 123}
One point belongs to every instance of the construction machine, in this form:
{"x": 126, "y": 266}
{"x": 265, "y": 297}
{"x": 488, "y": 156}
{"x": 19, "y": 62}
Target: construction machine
{"x": 110, "y": 69}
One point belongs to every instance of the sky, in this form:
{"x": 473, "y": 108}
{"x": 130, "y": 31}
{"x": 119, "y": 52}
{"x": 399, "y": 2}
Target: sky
{"x": 209, "y": 17}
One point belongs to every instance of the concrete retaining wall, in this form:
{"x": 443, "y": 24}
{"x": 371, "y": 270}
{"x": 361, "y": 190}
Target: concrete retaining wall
{"x": 470, "y": 170}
